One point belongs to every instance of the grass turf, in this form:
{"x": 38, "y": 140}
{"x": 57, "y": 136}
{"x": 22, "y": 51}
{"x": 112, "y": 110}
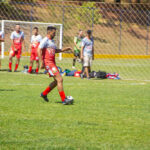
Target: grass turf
{"x": 107, "y": 114}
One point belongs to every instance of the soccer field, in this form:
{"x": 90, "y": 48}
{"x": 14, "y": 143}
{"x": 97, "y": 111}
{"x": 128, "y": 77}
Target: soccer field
{"x": 107, "y": 114}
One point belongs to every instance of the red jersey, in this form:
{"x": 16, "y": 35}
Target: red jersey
{"x": 48, "y": 52}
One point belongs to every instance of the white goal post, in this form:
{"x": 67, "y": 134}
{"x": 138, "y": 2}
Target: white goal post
{"x": 7, "y": 26}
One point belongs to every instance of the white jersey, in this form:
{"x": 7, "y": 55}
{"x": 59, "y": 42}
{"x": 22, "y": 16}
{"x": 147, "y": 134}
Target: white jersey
{"x": 2, "y": 34}
{"x": 17, "y": 37}
{"x": 36, "y": 39}
{"x": 87, "y": 46}
{"x": 48, "y": 47}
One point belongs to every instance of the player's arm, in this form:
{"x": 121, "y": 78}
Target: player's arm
{"x": 75, "y": 43}
{"x": 63, "y": 50}
{"x": 30, "y": 47}
{"x": 81, "y": 53}
{"x": 12, "y": 41}
{"x": 12, "y": 45}
{"x": 39, "y": 51}
{"x": 82, "y": 48}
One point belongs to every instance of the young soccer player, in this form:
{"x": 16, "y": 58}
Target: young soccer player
{"x": 17, "y": 38}
{"x": 1, "y": 40}
{"x": 87, "y": 52}
{"x": 46, "y": 52}
{"x": 35, "y": 41}
{"x": 77, "y": 47}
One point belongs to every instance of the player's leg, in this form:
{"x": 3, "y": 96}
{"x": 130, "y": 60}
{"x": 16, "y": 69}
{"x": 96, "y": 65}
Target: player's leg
{"x": 64, "y": 99}
{"x": 10, "y": 63}
{"x": 74, "y": 62}
{"x": 87, "y": 71}
{"x": 48, "y": 90}
{"x": 86, "y": 66}
{"x": 18, "y": 56}
{"x": 17, "y": 64}
{"x": 31, "y": 65}
{"x": 37, "y": 66}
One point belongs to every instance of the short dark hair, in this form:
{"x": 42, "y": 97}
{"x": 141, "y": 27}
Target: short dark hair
{"x": 50, "y": 28}
{"x": 35, "y": 28}
{"x": 89, "y": 32}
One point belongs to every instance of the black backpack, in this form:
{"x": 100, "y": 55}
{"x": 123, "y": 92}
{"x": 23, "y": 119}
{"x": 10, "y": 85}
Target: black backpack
{"x": 101, "y": 74}
{"x": 92, "y": 74}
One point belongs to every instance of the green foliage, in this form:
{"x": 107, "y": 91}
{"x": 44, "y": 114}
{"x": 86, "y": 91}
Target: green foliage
{"x": 88, "y": 13}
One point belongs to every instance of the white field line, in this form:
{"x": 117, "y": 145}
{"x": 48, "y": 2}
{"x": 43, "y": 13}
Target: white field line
{"x": 142, "y": 82}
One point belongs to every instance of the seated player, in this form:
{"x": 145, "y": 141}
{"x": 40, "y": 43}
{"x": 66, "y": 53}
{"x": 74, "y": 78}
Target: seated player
{"x": 87, "y": 53}
{"x": 46, "y": 52}
{"x": 35, "y": 41}
{"x": 17, "y": 38}
{"x": 77, "y": 47}
{"x": 1, "y": 40}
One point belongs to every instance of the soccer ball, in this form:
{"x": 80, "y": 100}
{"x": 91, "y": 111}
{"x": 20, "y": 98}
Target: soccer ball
{"x": 70, "y": 98}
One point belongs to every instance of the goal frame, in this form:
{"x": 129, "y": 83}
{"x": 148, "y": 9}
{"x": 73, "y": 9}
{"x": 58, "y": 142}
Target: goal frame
{"x": 28, "y": 22}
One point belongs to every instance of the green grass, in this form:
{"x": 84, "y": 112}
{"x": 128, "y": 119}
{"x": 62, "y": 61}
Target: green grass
{"x": 106, "y": 115}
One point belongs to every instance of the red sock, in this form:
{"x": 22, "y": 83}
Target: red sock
{"x": 37, "y": 70}
{"x": 10, "y": 65}
{"x": 30, "y": 69}
{"x": 62, "y": 95}
{"x": 16, "y": 67}
{"x": 47, "y": 90}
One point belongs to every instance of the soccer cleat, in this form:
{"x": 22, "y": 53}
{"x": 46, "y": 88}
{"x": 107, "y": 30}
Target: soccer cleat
{"x": 73, "y": 67}
{"x": 88, "y": 78}
{"x": 44, "y": 97}
{"x": 15, "y": 70}
{"x": 9, "y": 70}
{"x": 67, "y": 101}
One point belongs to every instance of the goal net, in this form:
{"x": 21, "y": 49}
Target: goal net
{"x": 8, "y": 27}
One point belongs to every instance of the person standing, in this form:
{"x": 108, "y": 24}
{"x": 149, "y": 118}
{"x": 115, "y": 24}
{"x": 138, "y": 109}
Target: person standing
{"x": 77, "y": 47}
{"x": 46, "y": 52}
{"x": 87, "y": 52}
{"x": 17, "y": 38}
{"x": 35, "y": 42}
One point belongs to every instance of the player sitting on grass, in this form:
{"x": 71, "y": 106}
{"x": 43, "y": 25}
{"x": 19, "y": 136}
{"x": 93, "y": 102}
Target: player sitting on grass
{"x": 35, "y": 42}
{"x": 1, "y": 40}
{"x": 17, "y": 38}
{"x": 46, "y": 52}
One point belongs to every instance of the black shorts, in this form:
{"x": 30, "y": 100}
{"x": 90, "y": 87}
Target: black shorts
{"x": 77, "y": 54}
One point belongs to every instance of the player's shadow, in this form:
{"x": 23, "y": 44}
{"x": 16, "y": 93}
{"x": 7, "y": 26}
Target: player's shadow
{"x": 4, "y": 69}
{"x": 7, "y": 90}
{"x": 66, "y": 105}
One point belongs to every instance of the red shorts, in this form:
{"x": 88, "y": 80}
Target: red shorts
{"x": 34, "y": 56}
{"x": 52, "y": 69}
{"x": 15, "y": 53}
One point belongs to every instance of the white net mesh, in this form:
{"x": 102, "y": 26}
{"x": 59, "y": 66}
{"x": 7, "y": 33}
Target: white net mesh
{"x": 27, "y": 28}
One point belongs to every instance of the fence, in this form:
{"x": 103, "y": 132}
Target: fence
{"x": 120, "y": 31}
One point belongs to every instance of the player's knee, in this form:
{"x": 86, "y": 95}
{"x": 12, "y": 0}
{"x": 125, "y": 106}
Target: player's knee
{"x": 60, "y": 79}
{"x": 10, "y": 58}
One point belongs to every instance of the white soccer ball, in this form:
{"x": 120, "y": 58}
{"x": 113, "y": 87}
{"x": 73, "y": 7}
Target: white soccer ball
{"x": 70, "y": 98}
